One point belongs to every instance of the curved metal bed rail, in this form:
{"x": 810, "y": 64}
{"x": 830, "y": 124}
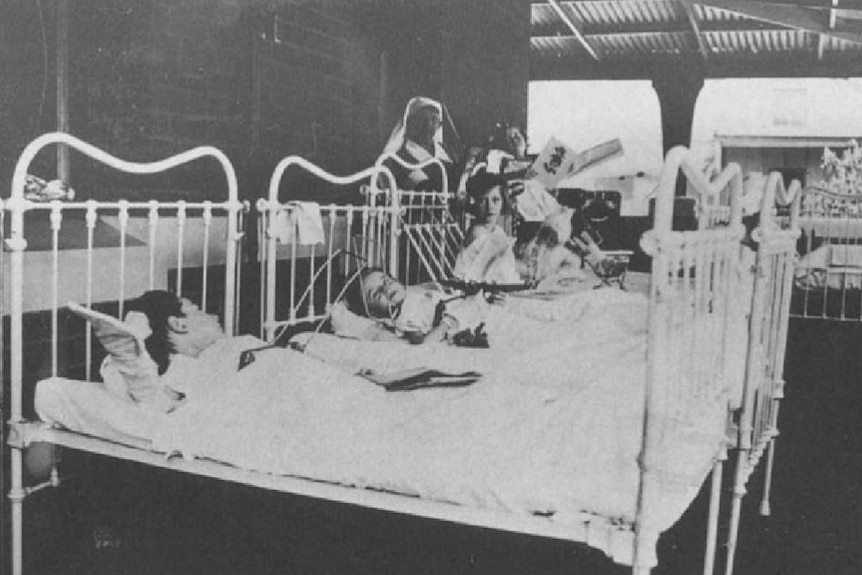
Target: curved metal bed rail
{"x": 681, "y": 159}
{"x": 312, "y": 168}
{"x": 379, "y": 163}
{"x": 691, "y": 278}
{"x": 775, "y": 194}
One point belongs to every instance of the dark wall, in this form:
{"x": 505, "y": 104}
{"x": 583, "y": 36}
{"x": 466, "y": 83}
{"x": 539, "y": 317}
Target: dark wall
{"x": 486, "y": 65}
{"x": 325, "y": 79}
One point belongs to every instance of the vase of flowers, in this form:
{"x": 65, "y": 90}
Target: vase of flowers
{"x": 843, "y": 174}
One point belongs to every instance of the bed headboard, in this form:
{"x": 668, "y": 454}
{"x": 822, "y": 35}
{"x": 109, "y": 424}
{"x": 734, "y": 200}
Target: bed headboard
{"x": 303, "y": 271}
{"x": 102, "y": 253}
{"x": 432, "y": 234}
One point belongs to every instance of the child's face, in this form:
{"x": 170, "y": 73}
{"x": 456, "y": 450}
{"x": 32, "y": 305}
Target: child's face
{"x": 195, "y": 325}
{"x": 492, "y": 205}
{"x": 382, "y": 294}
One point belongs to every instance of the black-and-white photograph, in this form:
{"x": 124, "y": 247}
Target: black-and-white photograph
{"x": 431, "y": 287}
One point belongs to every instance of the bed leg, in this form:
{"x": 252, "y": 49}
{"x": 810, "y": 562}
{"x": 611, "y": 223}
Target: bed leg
{"x": 765, "y": 508}
{"x": 736, "y": 510}
{"x": 712, "y": 525}
{"x": 16, "y": 496}
{"x": 645, "y": 536}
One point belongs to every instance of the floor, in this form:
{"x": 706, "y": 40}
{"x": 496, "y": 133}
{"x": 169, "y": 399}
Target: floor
{"x": 158, "y": 523}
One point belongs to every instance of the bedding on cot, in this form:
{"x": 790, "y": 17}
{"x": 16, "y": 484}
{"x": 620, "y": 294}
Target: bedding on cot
{"x": 597, "y": 412}
{"x": 553, "y": 429}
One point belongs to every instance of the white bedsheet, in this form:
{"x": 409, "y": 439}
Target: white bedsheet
{"x": 554, "y": 428}
{"x": 89, "y": 408}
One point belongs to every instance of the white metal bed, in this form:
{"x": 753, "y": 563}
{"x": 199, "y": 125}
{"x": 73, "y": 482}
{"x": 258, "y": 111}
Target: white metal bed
{"x": 692, "y": 278}
{"x": 775, "y": 239}
{"x": 828, "y": 277}
{"x": 680, "y": 258}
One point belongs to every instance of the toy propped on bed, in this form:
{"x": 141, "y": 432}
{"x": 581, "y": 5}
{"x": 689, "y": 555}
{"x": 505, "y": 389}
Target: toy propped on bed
{"x": 670, "y": 389}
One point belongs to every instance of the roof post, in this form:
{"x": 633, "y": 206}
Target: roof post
{"x": 677, "y": 88}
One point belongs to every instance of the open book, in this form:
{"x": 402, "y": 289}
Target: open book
{"x": 417, "y": 378}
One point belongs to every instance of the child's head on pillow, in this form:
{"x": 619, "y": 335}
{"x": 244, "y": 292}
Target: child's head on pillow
{"x": 375, "y": 294}
{"x": 177, "y": 326}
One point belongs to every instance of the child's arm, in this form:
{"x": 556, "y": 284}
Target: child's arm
{"x": 378, "y": 332}
{"x": 447, "y": 325}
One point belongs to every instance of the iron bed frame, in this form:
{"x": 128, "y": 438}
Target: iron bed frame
{"x": 697, "y": 264}
{"x": 832, "y": 222}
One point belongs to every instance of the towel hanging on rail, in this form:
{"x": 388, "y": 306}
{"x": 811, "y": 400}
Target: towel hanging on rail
{"x": 299, "y": 222}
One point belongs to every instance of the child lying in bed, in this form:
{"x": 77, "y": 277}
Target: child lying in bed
{"x": 166, "y": 348}
{"x": 380, "y": 308}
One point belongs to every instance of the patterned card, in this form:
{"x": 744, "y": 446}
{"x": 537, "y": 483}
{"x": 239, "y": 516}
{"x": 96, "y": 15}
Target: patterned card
{"x": 557, "y": 161}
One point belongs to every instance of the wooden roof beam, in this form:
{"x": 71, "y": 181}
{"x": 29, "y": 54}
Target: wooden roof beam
{"x": 695, "y": 28}
{"x": 576, "y": 30}
{"x": 796, "y": 17}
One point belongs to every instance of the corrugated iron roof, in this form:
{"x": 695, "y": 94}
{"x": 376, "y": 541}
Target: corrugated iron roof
{"x": 616, "y": 37}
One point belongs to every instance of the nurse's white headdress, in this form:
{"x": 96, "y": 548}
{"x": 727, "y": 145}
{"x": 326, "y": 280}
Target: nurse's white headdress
{"x": 398, "y": 135}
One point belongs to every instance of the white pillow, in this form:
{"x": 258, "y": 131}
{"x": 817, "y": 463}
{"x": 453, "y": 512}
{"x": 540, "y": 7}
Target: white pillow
{"x": 345, "y": 323}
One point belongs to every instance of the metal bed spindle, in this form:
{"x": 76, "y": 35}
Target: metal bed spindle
{"x": 678, "y": 258}
{"x": 768, "y": 325}
{"x": 373, "y": 247}
{"x": 828, "y": 277}
{"x": 17, "y": 205}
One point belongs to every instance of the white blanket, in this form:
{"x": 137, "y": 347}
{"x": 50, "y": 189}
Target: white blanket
{"x": 554, "y": 426}
{"x": 553, "y": 429}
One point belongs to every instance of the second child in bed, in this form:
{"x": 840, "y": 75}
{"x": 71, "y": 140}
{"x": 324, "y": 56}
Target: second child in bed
{"x": 380, "y": 308}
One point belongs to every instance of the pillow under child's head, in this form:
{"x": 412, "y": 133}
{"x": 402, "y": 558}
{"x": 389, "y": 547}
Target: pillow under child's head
{"x": 345, "y": 323}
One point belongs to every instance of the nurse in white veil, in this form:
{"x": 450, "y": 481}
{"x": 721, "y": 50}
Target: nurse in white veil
{"x": 417, "y": 137}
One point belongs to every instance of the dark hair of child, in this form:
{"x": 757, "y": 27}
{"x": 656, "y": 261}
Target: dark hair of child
{"x": 354, "y": 296}
{"x": 158, "y": 306}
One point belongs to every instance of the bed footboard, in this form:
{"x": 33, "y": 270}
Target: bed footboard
{"x": 691, "y": 301}
{"x": 757, "y": 427}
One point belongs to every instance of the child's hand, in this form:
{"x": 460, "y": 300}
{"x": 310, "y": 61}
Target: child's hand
{"x": 515, "y": 188}
{"x": 495, "y": 297}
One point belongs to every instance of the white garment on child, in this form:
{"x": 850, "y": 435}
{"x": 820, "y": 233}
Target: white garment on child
{"x": 193, "y": 375}
{"x": 535, "y": 204}
{"x": 489, "y": 258}
{"x": 418, "y": 310}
